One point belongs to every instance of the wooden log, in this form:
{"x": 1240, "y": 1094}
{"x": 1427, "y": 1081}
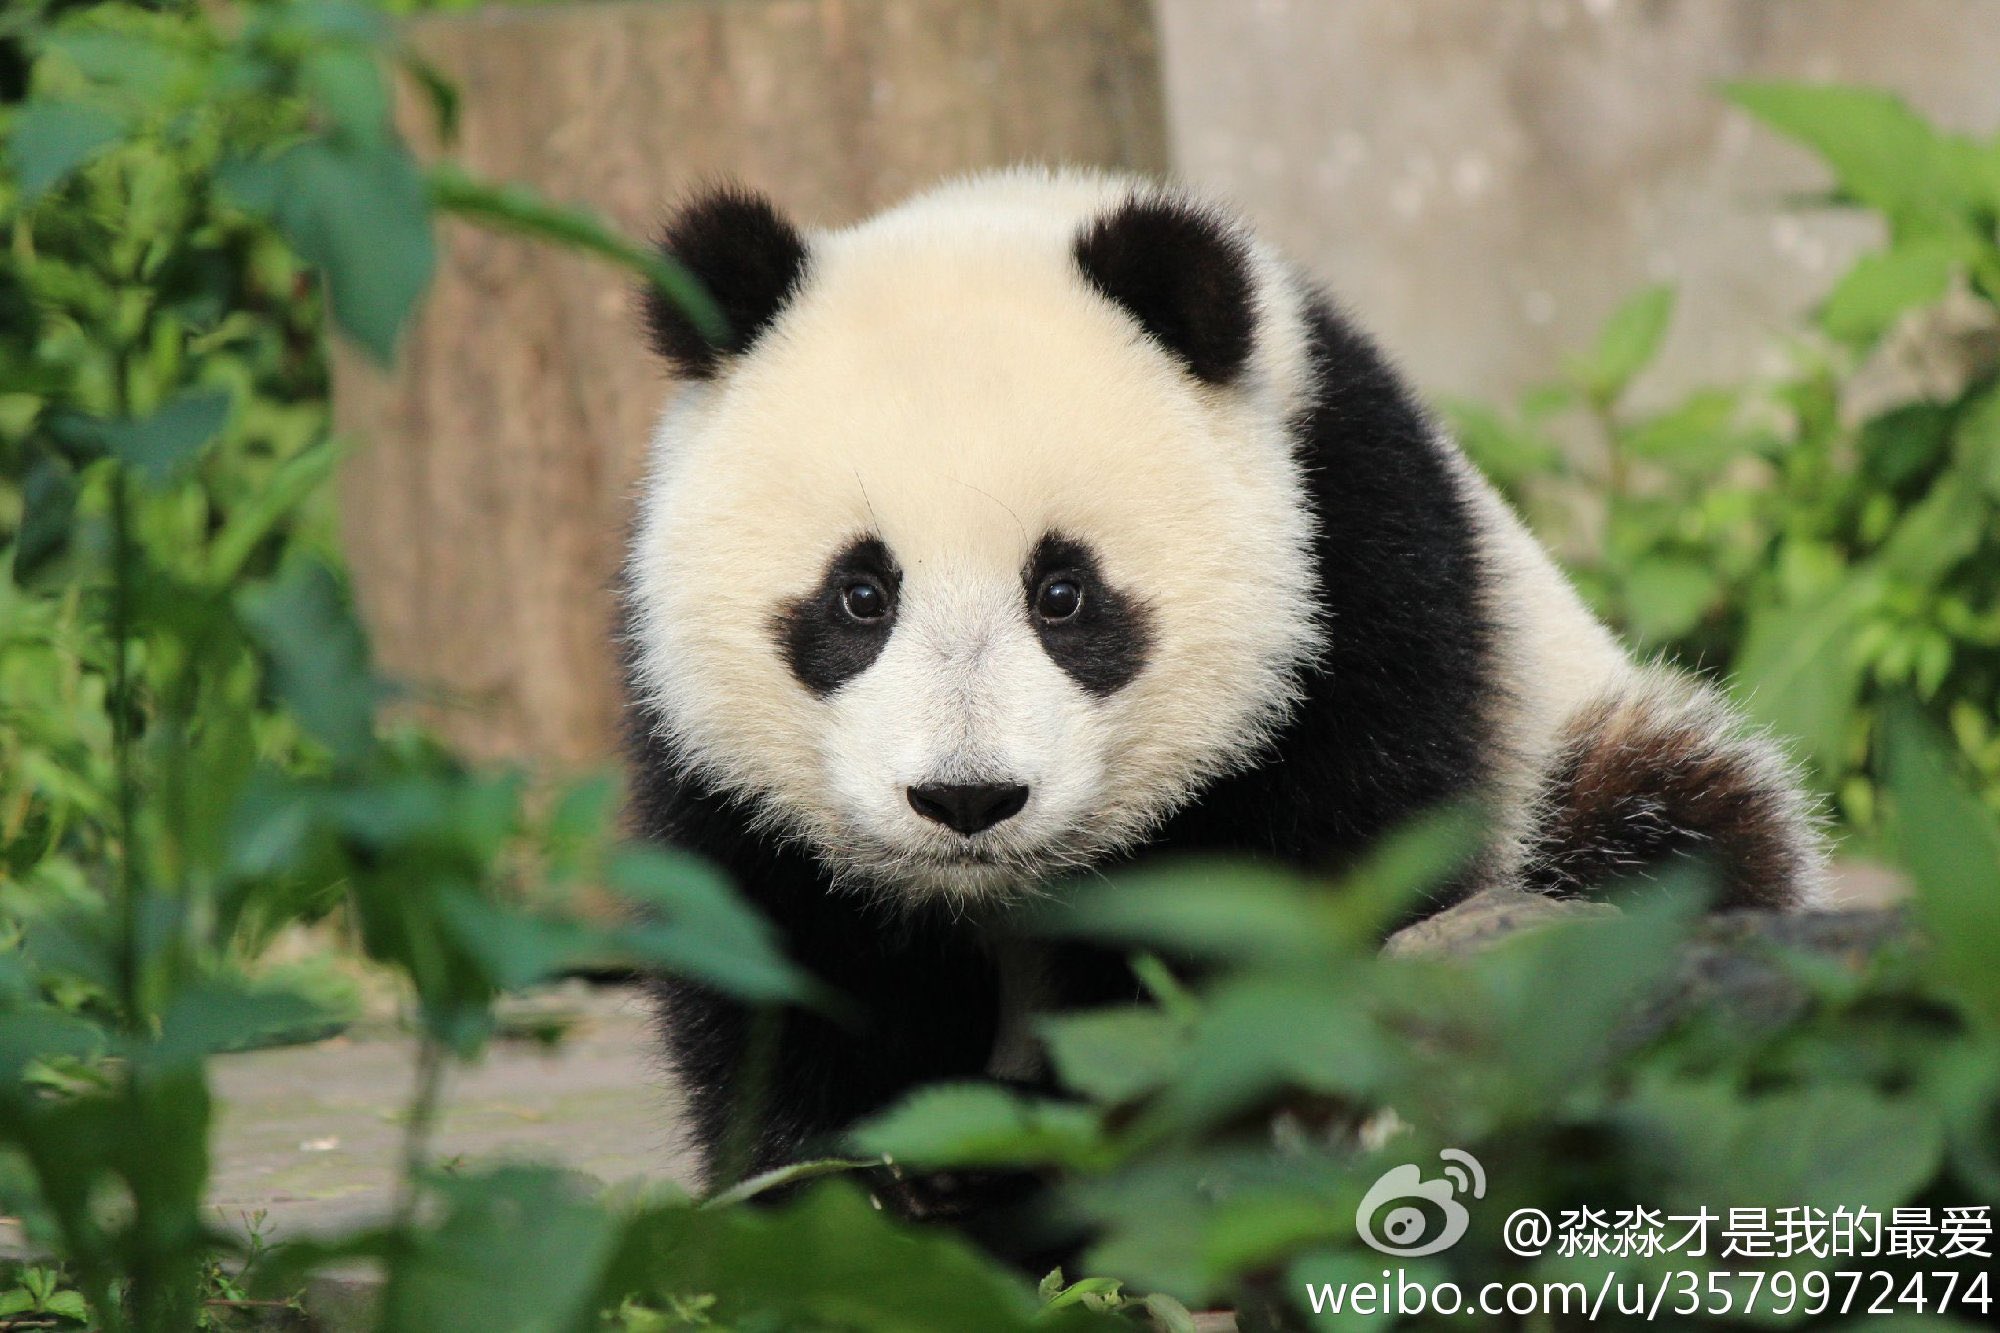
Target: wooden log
{"x": 484, "y": 513}
{"x": 1732, "y": 966}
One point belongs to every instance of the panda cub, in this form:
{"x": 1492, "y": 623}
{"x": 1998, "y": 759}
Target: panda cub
{"x": 1050, "y": 521}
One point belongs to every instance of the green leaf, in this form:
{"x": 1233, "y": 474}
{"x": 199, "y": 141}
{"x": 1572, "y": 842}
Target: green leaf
{"x": 796, "y": 1173}
{"x": 1880, "y": 287}
{"x": 1628, "y": 342}
{"x": 829, "y": 1260}
{"x": 1899, "y": 445}
{"x": 1944, "y": 528}
{"x": 220, "y": 1014}
{"x": 359, "y": 212}
{"x": 515, "y": 209}
{"x": 319, "y": 659}
{"x": 285, "y": 491}
{"x": 1310, "y": 1028}
{"x": 1505, "y": 451}
{"x": 1695, "y": 437}
{"x": 1950, "y": 841}
{"x": 697, "y": 927}
{"x": 159, "y": 446}
{"x": 137, "y": 63}
{"x": 81, "y": 944}
{"x": 1666, "y": 596}
{"x": 346, "y": 83}
{"x": 48, "y": 140}
{"x": 1830, "y": 1146}
{"x": 1097, "y": 1293}
{"x": 438, "y": 89}
{"x": 1796, "y": 671}
{"x": 1977, "y": 447}
{"x": 1246, "y": 911}
{"x": 514, "y": 949}
{"x": 42, "y": 1034}
{"x": 980, "y": 1124}
{"x": 1196, "y": 1221}
{"x": 1169, "y": 1315}
{"x": 1113, "y": 1055}
{"x": 1882, "y": 153}
{"x": 356, "y": 21}
{"x": 48, "y": 505}
{"x": 520, "y": 1250}
{"x": 1209, "y": 909}
{"x": 68, "y": 1304}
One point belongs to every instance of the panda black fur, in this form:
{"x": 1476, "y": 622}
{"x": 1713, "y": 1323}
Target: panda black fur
{"x": 1048, "y": 521}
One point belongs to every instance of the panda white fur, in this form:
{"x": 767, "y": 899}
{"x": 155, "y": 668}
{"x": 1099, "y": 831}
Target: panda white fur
{"x": 1049, "y": 521}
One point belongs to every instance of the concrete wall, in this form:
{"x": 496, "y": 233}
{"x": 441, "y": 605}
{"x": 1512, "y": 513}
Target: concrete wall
{"x": 1482, "y": 180}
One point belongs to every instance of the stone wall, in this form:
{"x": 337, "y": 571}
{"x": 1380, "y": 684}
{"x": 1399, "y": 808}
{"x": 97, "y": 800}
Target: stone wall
{"x": 1483, "y": 180}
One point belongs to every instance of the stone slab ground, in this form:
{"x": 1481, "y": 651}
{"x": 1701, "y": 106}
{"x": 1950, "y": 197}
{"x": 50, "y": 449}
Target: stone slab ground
{"x": 310, "y": 1137}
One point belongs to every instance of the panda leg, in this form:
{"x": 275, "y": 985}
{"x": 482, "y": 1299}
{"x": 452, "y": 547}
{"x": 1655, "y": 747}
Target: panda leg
{"x": 1662, "y": 771}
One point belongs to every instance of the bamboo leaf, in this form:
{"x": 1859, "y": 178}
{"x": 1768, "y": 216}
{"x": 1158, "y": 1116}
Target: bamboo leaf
{"x": 512, "y": 208}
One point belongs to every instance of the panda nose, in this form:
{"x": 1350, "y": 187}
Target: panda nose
{"x": 968, "y": 808}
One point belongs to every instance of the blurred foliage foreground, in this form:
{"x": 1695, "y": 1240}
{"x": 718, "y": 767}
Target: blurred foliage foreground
{"x": 191, "y": 759}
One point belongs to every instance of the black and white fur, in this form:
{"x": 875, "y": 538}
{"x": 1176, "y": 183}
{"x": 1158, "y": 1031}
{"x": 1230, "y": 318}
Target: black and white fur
{"x": 1303, "y": 618}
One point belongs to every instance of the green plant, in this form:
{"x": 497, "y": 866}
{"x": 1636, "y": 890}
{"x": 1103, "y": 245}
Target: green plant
{"x": 194, "y": 757}
{"x": 39, "y": 1290}
{"x": 1825, "y": 547}
{"x": 43, "y": 1296}
{"x": 1223, "y": 1139}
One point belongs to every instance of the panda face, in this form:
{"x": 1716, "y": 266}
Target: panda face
{"x": 957, "y": 574}
{"x": 962, "y": 706}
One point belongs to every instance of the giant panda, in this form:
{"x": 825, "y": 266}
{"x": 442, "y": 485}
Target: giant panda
{"x": 1051, "y": 521}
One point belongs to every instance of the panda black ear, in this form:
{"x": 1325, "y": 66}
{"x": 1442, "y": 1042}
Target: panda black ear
{"x": 751, "y": 260}
{"x": 1183, "y": 273}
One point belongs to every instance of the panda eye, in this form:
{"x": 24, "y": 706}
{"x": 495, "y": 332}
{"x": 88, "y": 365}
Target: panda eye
{"x": 865, "y": 600}
{"x": 1059, "y": 598}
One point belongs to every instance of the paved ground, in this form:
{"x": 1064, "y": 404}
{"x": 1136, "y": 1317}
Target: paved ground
{"x": 312, "y": 1135}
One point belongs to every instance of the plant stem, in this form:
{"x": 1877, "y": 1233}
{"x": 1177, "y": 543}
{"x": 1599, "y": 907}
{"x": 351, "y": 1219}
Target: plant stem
{"x": 1614, "y": 469}
{"x": 131, "y": 949}
{"x": 1615, "y": 483}
{"x": 417, "y": 1127}
{"x": 159, "y": 1295}
{"x": 131, "y": 963}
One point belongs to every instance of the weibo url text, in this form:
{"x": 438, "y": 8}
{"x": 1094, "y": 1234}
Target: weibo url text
{"x": 1679, "y": 1295}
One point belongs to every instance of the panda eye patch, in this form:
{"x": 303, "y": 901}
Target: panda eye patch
{"x": 1100, "y": 634}
{"x": 1059, "y": 597}
{"x": 865, "y": 600}
{"x": 831, "y": 632}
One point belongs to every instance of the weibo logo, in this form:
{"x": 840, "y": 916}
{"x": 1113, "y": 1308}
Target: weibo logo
{"x": 1405, "y": 1228}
